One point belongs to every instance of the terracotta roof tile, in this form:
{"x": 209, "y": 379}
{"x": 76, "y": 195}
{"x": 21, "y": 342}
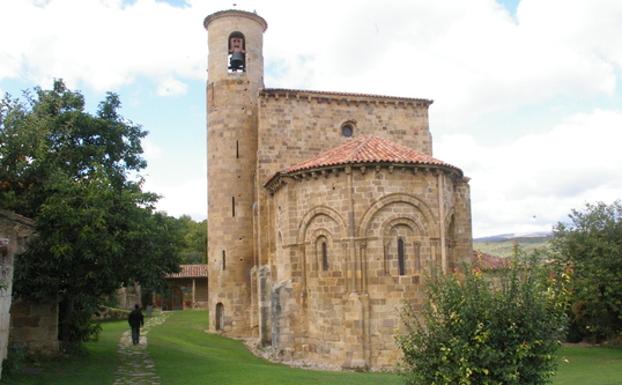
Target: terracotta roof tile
{"x": 367, "y": 149}
{"x": 190, "y": 271}
{"x": 487, "y": 261}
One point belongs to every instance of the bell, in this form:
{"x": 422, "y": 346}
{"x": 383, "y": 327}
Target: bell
{"x": 236, "y": 62}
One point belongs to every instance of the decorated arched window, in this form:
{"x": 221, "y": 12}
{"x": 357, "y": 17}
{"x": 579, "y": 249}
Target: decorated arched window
{"x": 321, "y": 250}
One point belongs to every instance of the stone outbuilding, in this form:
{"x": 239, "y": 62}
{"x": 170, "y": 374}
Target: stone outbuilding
{"x": 187, "y": 289}
{"x": 32, "y": 326}
{"x": 325, "y": 209}
{"x": 15, "y": 230}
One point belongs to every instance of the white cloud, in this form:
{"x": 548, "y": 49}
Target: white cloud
{"x": 171, "y": 87}
{"x": 472, "y": 57}
{"x": 102, "y": 44}
{"x": 533, "y": 182}
{"x": 151, "y": 151}
{"x": 186, "y": 198}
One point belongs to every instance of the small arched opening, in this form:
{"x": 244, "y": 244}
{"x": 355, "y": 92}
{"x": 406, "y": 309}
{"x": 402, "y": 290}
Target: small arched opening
{"x": 220, "y": 316}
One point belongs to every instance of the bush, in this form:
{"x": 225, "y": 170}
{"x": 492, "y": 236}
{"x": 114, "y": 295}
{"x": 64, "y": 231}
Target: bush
{"x": 13, "y": 363}
{"x": 486, "y": 331}
{"x": 590, "y": 244}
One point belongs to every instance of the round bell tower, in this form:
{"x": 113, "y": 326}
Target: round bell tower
{"x": 234, "y": 78}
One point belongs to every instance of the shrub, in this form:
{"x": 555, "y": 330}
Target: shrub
{"x": 486, "y": 331}
{"x": 13, "y": 363}
{"x": 591, "y": 245}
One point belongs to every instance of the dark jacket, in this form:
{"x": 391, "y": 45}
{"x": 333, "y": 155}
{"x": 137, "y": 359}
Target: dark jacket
{"x": 136, "y": 318}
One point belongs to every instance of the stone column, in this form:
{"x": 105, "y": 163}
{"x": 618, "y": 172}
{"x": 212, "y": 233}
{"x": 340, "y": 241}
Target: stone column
{"x": 194, "y": 289}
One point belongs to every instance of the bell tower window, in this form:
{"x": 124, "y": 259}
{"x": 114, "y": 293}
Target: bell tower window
{"x": 237, "y": 52}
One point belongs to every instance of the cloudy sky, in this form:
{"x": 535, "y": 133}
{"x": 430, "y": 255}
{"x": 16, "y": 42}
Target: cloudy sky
{"x": 527, "y": 94}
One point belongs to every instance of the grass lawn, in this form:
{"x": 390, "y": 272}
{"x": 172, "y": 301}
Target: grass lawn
{"x": 586, "y": 365}
{"x": 96, "y": 368}
{"x": 185, "y": 355}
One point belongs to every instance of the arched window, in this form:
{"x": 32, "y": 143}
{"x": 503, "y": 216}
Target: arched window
{"x": 237, "y": 52}
{"x": 324, "y": 256}
{"x": 220, "y": 316}
{"x": 400, "y": 257}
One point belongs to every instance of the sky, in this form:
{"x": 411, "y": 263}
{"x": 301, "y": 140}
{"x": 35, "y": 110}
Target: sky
{"x": 527, "y": 94}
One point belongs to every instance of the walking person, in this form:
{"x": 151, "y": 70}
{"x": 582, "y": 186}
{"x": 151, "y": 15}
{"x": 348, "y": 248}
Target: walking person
{"x": 136, "y": 320}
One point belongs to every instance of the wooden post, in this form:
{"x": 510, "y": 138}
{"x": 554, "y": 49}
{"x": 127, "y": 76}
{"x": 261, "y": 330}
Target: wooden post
{"x": 194, "y": 287}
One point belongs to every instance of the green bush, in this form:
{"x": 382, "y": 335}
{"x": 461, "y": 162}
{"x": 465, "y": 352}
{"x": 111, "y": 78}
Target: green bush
{"x": 477, "y": 330}
{"x": 16, "y": 357}
{"x": 590, "y": 244}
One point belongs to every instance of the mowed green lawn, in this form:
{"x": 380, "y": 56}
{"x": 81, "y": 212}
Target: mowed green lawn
{"x": 587, "y": 365}
{"x": 95, "y": 368}
{"x": 184, "y": 354}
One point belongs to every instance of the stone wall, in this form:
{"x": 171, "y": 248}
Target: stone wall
{"x": 15, "y": 231}
{"x": 344, "y": 312}
{"x": 297, "y": 125}
{"x": 34, "y": 326}
{"x": 294, "y": 126}
{"x": 313, "y": 270}
{"x": 232, "y": 149}
{"x": 127, "y": 297}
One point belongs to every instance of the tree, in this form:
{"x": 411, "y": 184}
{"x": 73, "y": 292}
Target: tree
{"x": 591, "y": 245}
{"x": 77, "y": 175}
{"x": 477, "y": 330}
{"x": 194, "y": 249}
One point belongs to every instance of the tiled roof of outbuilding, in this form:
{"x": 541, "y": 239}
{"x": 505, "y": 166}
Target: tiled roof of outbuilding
{"x": 190, "y": 271}
{"x": 368, "y": 149}
{"x": 486, "y": 261}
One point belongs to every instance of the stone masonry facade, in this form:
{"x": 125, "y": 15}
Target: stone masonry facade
{"x": 15, "y": 230}
{"x": 326, "y": 210}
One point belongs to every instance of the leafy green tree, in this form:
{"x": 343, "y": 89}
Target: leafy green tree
{"x": 194, "y": 249}
{"x": 478, "y": 330}
{"x": 591, "y": 245}
{"x": 77, "y": 175}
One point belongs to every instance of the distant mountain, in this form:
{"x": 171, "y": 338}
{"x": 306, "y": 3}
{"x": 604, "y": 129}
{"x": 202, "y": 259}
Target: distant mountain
{"x": 502, "y": 245}
{"x": 512, "y": 236}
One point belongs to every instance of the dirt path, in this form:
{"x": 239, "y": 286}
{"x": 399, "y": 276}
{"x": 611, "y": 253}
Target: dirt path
{"x": 136, "y": 367}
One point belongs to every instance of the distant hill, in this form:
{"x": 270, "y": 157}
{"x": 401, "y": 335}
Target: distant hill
{"x": 502, "y": 245}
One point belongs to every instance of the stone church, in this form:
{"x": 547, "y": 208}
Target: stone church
{"x": 326, "y": 210}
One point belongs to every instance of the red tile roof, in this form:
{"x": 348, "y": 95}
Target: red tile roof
{"x": 190, "y": 271}
{"x": 487, "y": 261}
{"x": 367, "y": 149}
